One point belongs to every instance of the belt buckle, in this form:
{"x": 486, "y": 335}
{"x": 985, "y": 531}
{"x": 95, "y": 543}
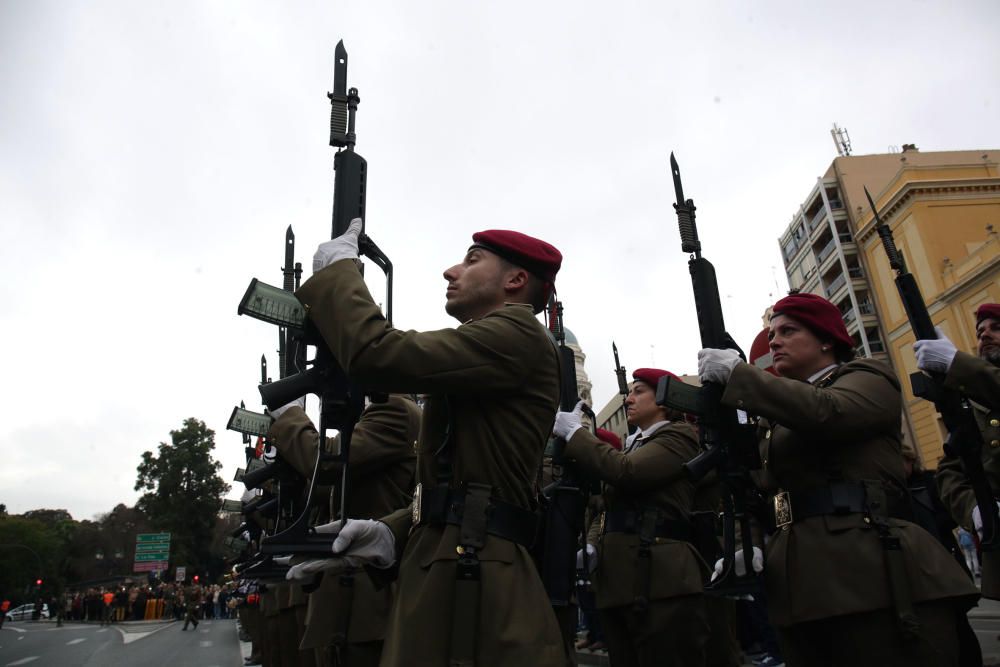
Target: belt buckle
{"x": 418, "y": 495}
{"x": 782, "y": 510}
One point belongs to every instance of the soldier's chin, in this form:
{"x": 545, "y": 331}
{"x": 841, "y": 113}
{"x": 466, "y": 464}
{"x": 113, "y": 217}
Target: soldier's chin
{"x": 991, "y": 354}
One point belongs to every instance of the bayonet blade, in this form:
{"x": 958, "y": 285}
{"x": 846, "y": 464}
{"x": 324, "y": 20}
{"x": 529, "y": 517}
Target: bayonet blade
{"x": 678, "y": 188}
{"x": 340, "y": 70}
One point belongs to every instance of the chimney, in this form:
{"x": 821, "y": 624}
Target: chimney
{"x": 910, "y": 147}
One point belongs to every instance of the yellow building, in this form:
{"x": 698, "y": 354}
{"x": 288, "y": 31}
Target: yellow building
{"x": 944, "y": 211}
{"x": 942, "y": 208}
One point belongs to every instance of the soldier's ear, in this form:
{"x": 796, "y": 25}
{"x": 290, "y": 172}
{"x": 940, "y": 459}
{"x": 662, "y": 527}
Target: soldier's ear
{"x": 515, "y": 279}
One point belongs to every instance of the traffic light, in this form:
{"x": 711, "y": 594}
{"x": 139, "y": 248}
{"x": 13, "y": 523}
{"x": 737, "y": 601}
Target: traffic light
{"x": 38, "y": 582}
{"x": 195, "y": 579}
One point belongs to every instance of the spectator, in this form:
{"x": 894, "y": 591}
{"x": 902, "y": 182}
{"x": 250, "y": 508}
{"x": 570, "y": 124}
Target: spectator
{"x": 969, "y": 550}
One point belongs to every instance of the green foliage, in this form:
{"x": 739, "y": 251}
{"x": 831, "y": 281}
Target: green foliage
{"x": 30, "y": 550}
{"x": 183, "y": 492}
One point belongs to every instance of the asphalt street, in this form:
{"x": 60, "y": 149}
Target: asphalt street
{"x": 212, "y": 644}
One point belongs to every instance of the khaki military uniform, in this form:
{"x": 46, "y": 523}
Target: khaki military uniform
{"x": 380, "y": 481}
{"x": 826, "y": 575}
{"x": 493, "y": 390}
{"x": 192, "y": 600}
{"x": 650, "y": 478}
{"x": 975, "y": 378}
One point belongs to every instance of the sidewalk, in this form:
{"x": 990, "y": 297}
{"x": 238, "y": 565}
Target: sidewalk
{"x": 986, "y": 609}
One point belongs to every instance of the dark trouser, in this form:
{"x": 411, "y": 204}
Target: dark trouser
{"x": 289, "y": 637}
{"x": 566, "y": 616}
{"x": 358, "y": 654}
{"x": 271, "y": 642}
{"x": 873, "y": 639}
{"x": 587, "y": 601}
{"x": 191, "y": 617}
{"x": 669, "y": 632}
{"x": 106, "y": 616}
{"x": 307, "y": 657}
{"x": 722, "y": 649}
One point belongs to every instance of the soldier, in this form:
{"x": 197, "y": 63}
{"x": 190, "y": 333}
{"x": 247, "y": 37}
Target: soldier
{"x": 648, "y": 575}
{"x": 192, "y": 602}
{"x": 347, "y": 610}
{"x": 849, "y": 581}
{"x": 975, "y": 377}
{"x": 979, "y": 379}
{"x": 468, "y": 592}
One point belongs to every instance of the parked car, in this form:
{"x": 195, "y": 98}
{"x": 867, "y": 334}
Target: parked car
{"x": 24, "y": 612}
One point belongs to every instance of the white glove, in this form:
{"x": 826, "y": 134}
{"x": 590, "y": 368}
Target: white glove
{"x": 361, "y": 542}
{"x": 591, "y": 558}
{"x": 344, "y": 246}
{"x": 977, "y": 519}
{"x": 298, "y": 402}
{"x": 568, "y": 422}
{"x": 269, "y": 455}
{"x": 717, "y": 365}
{"x": 757, "y": 562}
{"x": 935, "y": 356}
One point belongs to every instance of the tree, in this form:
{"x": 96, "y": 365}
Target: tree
{"x": 183, "y": 492}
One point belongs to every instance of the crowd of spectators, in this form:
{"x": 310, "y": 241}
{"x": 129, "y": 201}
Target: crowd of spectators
{"x": 131, "y": 602}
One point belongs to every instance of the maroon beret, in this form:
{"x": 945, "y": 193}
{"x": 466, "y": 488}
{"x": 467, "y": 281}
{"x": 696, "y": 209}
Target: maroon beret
{"x": 534, "y": 255}
{"x": 651, "y": 376}
{"x": 609, "y": 437}
{"x": 988, "y": 311}
{"x": 816, "y": 314}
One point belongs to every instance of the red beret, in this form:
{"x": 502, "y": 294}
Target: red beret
{"x": 651, "y": 376}
{"x": 817, "y": 314}
{"x": 988, "y": 311}
{"x": 609, "y": 437}
{"x": 529, "y": 253}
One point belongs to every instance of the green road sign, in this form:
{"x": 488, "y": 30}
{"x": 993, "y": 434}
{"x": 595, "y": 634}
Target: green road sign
{"x": 153, "y": 546}
{"x": 158, "y": 555}
{"x": 152, "y": 537}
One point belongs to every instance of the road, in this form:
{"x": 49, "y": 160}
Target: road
{"x": 213, "y": 644}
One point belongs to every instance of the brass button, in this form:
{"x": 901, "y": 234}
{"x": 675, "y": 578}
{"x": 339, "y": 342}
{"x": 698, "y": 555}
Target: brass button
{"x": 460, "y": 550}
{"x": 867, "y": 520}
{"x": 994, "y": 443}
{"x": 995, "y": 422}
{"x": 767, "y": 436}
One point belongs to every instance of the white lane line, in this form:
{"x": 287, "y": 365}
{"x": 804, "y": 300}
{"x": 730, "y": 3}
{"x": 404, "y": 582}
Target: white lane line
{"x": 76, "y": 641}
{"x": 129, "y": 637}
{"x": 204, "y": 632}
{"x": 21, "y": 630}
{"x": 23, "y": 661}
{"x": 103, "y": 630}
{"x": 205, "y": 644}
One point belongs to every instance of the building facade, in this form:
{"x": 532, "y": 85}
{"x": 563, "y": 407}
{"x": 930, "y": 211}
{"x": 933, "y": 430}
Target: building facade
{"x": 942, "y": 208}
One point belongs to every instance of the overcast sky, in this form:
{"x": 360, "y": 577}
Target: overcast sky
{"x": 152, "y": 155}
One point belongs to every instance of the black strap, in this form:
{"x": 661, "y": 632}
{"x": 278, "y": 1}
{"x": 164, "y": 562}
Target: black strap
{"x": 627, "y": 521}
{"x": 443, "y": 505}
{"x": 842, "y": 498}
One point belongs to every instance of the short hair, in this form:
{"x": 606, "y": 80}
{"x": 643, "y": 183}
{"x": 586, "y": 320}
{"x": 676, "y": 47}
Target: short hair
{"x": 536, "y": 290}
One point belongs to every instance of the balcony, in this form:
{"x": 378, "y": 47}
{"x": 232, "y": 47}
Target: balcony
{"x": 817, "y": 219}
{"x": 826, "y": 251}
{"x": 855, "y": 272}
{"x": 838, "y": 282}
{"x": 836, "y": 203}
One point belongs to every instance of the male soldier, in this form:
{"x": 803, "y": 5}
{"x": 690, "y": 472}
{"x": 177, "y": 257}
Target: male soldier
{"x": 192, "y": 600}
{"x": 648, "y": 574}
{"x": 347, "y": 612}
{"x": 979, "y": 379}
{"x": 975, "y": 377}
{"x": 468, "y": 591}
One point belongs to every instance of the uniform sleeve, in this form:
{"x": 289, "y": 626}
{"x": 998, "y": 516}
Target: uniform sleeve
{"x": 656, "y": 463}
{"x": 493, "y": 354}
{"x": 296, "y": 439}
{"x": 399, "y": 522}
{"x": 857, "y": 404}
{"x": 976, "y": 378}
{"x": 955, "y": 490}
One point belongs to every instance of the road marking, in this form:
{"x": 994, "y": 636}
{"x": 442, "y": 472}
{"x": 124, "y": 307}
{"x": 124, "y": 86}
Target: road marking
{"x": 22, "y": 631}
{"x": 103, "y": 630}
{"x": 129, "y": 637}
{"x": 76, "y": 641}
{"x": 204, "y": 632}
{"x": 23, "y": 661}
{"x": 205, "y": 644}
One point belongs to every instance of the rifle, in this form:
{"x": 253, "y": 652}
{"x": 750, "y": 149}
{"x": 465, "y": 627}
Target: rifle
{"x": 622, "y": 385}
{"x": 567, "y": 495}
{"x": 965, "y": 441}
{"x": 341, "y": 400}
{"x": 728, "y": 446}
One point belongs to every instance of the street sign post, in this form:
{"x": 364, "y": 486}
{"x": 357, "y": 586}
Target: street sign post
{"x": 181, "y": 573}
{"x": 152, "y": 552}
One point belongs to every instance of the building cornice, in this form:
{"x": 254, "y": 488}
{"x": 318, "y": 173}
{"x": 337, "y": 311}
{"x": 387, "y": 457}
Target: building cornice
{"x": 922, "y": 190}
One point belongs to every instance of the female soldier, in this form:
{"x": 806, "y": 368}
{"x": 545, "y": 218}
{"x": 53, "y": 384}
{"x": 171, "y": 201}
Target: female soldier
{"x": 849, "y": 579}
{"x": 648, "y": 576}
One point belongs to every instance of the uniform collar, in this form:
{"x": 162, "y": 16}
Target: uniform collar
{"x": 821, "y": 375}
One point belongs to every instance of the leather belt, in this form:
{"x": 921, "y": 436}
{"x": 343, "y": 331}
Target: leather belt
{"x": 836, "y": 499}
{"x": 627, "y": 521}
{"x": 444, "y": 505}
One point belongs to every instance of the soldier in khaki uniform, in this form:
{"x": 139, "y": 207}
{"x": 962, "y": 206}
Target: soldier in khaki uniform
{"x": 648, "y": 577}
{"x": 841, "y": 590}
{"x": 192, "y": 601}
{"x": 978, "y": 378}
{"x": 469, "y": 593}
{"x": 380, "y": 482}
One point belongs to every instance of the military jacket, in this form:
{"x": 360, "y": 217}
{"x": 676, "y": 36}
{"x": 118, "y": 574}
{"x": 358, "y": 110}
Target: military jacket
{"x": 492, "y": 387}
{"x": 979, "y": 380}
{"x": 380, "y": 479}
{"x": 648, "y": 477}
{"x": 844, "y": 428}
